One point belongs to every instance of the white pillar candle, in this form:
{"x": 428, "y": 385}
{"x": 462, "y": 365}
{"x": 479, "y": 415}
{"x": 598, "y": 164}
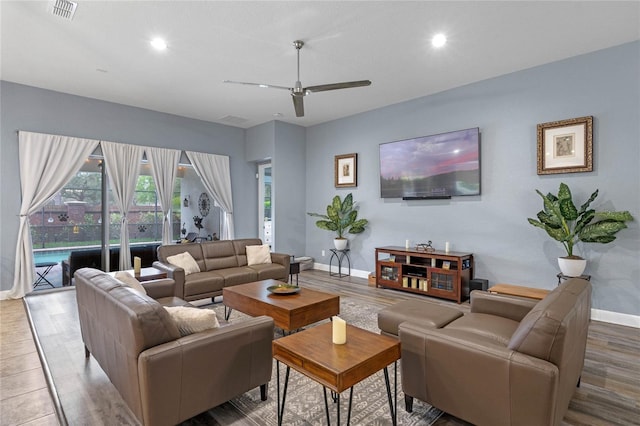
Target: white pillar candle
{"x": 137, "y": 265}
{"x": 446, "y": 247}
{"x": 339, "y": 331}
{"x": 406, "y": 244}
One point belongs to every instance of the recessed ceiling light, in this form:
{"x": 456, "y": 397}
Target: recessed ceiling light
{"x": 439, "y": 40}
{"x": 158, "y": 44}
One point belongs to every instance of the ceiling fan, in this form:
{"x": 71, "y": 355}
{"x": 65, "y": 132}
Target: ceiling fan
{"x": 298, "y": 92}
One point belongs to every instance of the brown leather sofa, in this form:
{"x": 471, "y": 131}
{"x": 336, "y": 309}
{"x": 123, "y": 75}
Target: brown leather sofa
{"x": 164, "y": 378}
{"x": 222, "y": 264}
{"x": 510, "y": 361}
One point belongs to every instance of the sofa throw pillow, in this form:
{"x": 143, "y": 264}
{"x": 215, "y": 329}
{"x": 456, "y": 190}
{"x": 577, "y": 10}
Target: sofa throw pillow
{"x": 192, "y": 320}
{"x": 257, "y": 255}
{"x": 130, "y": 281}
{"x": 184, "y": 261}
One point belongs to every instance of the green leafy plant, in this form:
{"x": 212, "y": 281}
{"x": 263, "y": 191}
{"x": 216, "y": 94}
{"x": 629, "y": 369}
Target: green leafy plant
{"x": 565, "y": 223}
{"x": 341, "y": 217}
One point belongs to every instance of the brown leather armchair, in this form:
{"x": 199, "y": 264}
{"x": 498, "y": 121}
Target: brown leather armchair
{"x": 165, "y": 378}
{"x": 511, "y": 361}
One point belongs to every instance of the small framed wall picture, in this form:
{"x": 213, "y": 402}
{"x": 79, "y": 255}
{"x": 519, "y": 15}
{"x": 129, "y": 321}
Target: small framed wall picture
{"x": 565, "y": 146}
{"x": 346, "y": 170}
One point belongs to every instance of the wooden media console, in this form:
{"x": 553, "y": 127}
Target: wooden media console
{"x": 432, "y": 273}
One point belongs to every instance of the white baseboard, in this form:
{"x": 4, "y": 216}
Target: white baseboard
{"x": 615, "y": 318}
{"x": 596, "y": 314}
{"x": 334, "y": 269}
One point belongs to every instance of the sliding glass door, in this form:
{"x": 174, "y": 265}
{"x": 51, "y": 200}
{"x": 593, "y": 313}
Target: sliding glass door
{"x": 82, "y": 216}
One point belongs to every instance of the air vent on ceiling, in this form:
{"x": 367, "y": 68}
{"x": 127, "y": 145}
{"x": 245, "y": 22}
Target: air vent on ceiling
{"x": 233, "y": 120}
{"x": 63, "y": 8}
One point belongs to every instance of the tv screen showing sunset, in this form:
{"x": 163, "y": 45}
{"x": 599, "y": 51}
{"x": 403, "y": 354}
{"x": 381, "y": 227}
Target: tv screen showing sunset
{"x": 446, "y": 164}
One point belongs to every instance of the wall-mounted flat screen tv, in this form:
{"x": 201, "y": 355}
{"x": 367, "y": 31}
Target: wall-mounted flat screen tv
{"x": 436, "y": 166}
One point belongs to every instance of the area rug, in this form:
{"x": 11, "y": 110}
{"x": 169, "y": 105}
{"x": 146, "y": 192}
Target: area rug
{"x": 305, "y": 400}
{"x": 80, "y": 383}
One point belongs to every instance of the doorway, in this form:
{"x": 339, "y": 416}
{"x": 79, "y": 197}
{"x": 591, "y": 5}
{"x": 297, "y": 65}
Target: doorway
{"x": 265, "y": 213}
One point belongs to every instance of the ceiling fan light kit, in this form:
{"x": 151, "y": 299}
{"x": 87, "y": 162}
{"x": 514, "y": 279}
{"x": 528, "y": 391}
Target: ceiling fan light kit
{"x": 298, "y": 92}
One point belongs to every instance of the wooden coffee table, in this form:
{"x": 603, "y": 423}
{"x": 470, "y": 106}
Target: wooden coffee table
{"x": 337, "y": 367}
{"x": 289, "y": 312}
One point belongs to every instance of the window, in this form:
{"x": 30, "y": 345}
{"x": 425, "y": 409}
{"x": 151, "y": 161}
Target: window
{"x": 73, "y": 218}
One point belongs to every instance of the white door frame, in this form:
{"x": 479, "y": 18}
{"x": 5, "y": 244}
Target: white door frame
{"x": 266, "y": 239}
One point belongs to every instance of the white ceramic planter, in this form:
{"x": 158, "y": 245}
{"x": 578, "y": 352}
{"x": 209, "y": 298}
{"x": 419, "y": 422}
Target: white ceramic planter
{"x": 340, "y": 243}
{"x": 572, "y": 267}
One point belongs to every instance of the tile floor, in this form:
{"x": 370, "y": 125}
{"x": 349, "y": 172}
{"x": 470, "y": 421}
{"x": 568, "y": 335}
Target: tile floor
{"x": 24, "y": 396}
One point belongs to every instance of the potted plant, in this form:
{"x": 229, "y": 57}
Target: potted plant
{"x": 565, "y": 223}
{"x": 341, "y": 217}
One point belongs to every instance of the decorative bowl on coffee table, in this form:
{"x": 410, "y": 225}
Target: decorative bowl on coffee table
{"x": 283, "y": 289}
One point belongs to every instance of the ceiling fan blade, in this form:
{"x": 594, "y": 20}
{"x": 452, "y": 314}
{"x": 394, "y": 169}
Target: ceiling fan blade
{"x": 264, "y": 86}
{"x": 297, "y": 91}
{"x": 298, "y": 104}
{"x": 336, "y": 86}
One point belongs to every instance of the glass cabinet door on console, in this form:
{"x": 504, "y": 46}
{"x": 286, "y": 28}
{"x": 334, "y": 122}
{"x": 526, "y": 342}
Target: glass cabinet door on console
{"x": 387, "y": 269}
{"x": 442, "y": 283}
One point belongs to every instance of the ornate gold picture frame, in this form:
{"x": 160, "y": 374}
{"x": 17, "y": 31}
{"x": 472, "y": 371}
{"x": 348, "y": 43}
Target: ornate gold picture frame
{"x": 565, "y": 146}
{"x": 346, "y": 170}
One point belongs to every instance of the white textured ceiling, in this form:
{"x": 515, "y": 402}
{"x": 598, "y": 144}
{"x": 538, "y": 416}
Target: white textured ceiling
{"x": 104, "y": 51}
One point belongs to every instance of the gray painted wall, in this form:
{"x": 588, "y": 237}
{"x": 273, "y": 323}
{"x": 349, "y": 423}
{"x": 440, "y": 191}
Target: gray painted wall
{"x": 493, "y": 226}
{"x": 289, "y": 188}
{"x": 260, "y": 142}
{"x": 38, "y": 110}
{"x": 284, "y": 145}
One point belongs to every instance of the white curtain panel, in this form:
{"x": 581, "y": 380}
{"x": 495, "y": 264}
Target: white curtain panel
{"x": 215, "y": 173}
{"x": 47, "y": 162}
{"x": 123, "y": 167}
{"x": 164, "y": 166}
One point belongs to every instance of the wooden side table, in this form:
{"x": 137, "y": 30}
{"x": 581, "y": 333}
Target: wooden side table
{"x": 150, "y": 273}
{"x": 337, "y": 367}
{"x": 516, "y": 290}
{"x": 146, "y": 274}
{"x": 294, "y": 269}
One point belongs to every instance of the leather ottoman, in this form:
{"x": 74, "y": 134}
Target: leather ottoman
{"x": 429, "y": 314}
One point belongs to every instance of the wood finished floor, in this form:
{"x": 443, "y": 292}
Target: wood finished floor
{"x": 609, "y": 393}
